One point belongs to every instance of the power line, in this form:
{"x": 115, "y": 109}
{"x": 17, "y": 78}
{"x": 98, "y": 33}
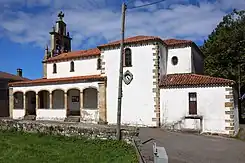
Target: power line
{"x": 130, "y": 1}
{"x": 146, "y": 4}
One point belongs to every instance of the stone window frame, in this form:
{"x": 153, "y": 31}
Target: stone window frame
{"x": 192, "y": 103}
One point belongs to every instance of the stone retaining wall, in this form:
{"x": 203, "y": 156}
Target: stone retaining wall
{"x": 69, "y": 129}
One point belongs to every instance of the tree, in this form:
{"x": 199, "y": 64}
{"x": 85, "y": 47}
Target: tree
{"x": 225, "y": 47}
{"x": 224, "y": 50}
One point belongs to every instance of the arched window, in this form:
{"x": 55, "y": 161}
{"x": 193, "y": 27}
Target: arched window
{"x": 54, "y": 68}
{"x": 72, "y": 66}
{"x": 127, "y": 57}
{"x": 98, "y": 63}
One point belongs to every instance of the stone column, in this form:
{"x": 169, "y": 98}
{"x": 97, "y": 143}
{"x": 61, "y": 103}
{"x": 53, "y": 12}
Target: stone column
{"x": 65, "y": 104}
{"x": 102, "y": 103}
{"x": 50, "y": 100}
{"x": 11, "y": 102}
{"x": 37, "y": 102}
{"x": 24, "y": 102}
{"x": 81, "y": 102}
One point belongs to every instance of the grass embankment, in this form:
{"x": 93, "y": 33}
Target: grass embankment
{"x": 17, "y": 147}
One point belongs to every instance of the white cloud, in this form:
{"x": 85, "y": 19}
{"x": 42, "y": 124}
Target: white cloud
{"x": 90, "y": 21}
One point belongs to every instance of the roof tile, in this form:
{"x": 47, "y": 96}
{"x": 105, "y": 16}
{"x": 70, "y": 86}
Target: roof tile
{"x": 75, "y": 54}
{"x": 178, "y": 80}
{"x": 5, "y": 75}
{"x": 59, "y": 80}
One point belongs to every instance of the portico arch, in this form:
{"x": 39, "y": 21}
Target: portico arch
{"x": 30, "y": 102}
{"x": 18, "y": 100}
{"x": 43, "y": 99}
{"x": 58, "y": 99}
{"x": 73, "y": 96}
{"x": 90, "y": 98}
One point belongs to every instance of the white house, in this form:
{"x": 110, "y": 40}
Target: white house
{"x": 167, "y": 87}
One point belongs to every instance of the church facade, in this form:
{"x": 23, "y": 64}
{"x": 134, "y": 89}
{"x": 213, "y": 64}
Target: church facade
{"x": 163, "y": 86}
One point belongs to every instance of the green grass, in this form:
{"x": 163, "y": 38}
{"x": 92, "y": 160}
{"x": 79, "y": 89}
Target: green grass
{"x": 17, "y": 147}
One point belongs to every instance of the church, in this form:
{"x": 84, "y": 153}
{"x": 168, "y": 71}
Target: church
{"x": 163, "y": 86}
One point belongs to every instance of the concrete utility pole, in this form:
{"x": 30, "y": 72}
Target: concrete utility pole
{"x": 119, "y": 104}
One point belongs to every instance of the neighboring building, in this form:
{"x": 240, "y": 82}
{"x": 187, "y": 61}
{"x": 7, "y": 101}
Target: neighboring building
{"x": 167, "y": 87}
{"x": 6, "y": 78}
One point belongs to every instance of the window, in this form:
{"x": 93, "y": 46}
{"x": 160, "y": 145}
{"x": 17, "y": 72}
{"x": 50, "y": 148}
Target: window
{"x": 72, "y": 66}
{"x": 98, "y": 63}
{"x": 54, "y": 68}
{"x": 193, "y": 103}
{"x": 174, "y": 60}
{"x": 127, "y": 57}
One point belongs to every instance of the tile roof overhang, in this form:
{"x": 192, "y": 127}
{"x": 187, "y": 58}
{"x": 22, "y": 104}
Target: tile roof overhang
{"x": 192, "y": 80}
{"x": 44, "y": 81}
{"x": 74, "y": 55}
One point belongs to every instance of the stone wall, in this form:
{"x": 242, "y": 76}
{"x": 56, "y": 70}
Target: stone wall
{"x": 68, "y": 129}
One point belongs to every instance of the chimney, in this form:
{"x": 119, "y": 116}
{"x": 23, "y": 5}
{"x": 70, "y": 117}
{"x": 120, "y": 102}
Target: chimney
{"x": 19, "y": 72}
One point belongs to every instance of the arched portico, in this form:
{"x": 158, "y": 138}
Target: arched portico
{"x": 31, "y": 104}
{"x": 58, "y": 99}
{"x": 19, "y": 100}
{"x": 74, "y": 102}
{"x": 90, "y": 98}
{"x": 43, "y": 97}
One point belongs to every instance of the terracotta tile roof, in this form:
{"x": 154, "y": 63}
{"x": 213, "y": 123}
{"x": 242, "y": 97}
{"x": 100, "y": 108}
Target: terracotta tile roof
{"x": 5, "y": 75}
{"x": 178, "y": 80}
{"x": 173, "y": 42}
{"x": 59, "y": 80}
{"x": 134, "y": 39}
{"x": 75, "y": 54}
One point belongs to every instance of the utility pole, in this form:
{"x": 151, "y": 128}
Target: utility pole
{"x": 119, "y": 104}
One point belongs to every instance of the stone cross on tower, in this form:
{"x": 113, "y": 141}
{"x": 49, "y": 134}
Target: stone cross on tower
{"x": 61, "y": 15}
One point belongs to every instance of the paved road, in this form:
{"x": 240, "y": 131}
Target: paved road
{"x": 190, "y": 148}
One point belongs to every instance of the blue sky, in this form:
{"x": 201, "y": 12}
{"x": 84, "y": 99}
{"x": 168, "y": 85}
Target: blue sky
{"x": 25, "y": 25}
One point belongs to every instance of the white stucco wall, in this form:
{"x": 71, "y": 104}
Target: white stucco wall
{"x": 184, "y": 60}
{"x": 138, "y": 99}
{"x": 210, "y": 105}
{"x": 51, "y": 114}
{"x": 82, "y": 67}
{"x": 18, "y": 113}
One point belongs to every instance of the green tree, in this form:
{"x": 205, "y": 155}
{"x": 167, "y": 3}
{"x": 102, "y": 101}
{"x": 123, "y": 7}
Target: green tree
{"x": 225, "y": 48}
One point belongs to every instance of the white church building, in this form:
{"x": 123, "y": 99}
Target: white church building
{"x": 163, "y": 86}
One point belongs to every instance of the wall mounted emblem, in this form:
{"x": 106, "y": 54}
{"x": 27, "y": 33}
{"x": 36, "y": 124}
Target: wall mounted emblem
{"x": 127, "y": 77}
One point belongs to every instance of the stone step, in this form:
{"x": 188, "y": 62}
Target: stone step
{"x": 72, "y": 119}
{"x": 30, "y": 117}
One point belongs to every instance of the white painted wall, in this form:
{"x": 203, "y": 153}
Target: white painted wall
{"x": 184, "y": 60}
{"x": 51, "y": 114}
{"x": 18, "y": 113}
{"x": 138, "y": 99}
{"x": 82, "y": 67}
{"x": 210, "y": 105}
{"x": 90, "y": 115}
{"x": 64, "y": 87}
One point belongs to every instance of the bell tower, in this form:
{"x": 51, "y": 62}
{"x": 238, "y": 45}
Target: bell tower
{"x": 60, "y": 38}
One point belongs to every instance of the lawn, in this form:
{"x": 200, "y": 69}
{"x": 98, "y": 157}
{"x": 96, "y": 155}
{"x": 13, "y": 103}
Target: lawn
{"x": 16, "y": 147}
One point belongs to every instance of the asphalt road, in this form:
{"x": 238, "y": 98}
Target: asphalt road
{"x": 190, "y": 148}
